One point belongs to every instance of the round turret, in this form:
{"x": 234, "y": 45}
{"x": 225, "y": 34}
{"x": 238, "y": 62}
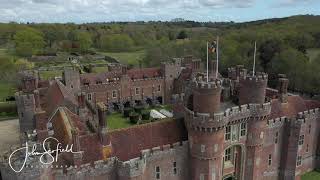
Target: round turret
{"x": 253, "y": 89}
{"x": 206, "y": 96}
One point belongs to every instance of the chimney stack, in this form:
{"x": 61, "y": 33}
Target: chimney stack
{"x": 283, "y": 88}
{"x": 77, "y": 157}
{"x": 239, "y": 68}
{"x": 81, "y": 99}
{"x": 102, "y": 110}
{"x": 37, "y": 99}
{"x": 102, "y": 115}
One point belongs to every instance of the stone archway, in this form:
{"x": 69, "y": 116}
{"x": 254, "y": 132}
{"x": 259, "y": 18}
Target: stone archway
{"x": 233, "y": 162}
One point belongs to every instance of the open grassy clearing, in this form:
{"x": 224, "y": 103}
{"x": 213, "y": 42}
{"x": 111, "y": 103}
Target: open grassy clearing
{"x": 313, "y": 175}
{"x": 130, "y": 58}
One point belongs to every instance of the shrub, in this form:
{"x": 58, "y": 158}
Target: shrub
{"x": 127, "y": 111}
{"x": 145, "y": 115}
{"x": 134, "y": 117}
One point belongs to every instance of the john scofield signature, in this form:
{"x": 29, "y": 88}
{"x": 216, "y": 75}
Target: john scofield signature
{"x": 46, "y": 156}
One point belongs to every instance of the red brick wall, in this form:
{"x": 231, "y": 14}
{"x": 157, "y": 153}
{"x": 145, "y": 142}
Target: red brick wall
{"x": 127, "y": 143}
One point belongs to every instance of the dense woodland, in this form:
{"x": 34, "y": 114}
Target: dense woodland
{"x": 286, "y": 45}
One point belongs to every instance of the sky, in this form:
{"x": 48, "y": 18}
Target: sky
{"x": 83, "y": 11}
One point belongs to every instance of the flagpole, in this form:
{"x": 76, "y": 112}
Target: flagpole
{"x": 217, "y": 65}
{"x": 207, "y": 62}
{"x": 254, "y": 58}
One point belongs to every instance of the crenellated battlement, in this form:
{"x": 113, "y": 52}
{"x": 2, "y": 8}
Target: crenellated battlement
{"x": 200, "y": 84}
{"x": 149, "y": 79}
{"x": 98, "y": 167}
{"x": 309, "y": 114}
{"x": 214, "y": 121}
{"x": 135, "y": 167}
{"x": 257, "y": 78}
{"x": 276, "y": 122}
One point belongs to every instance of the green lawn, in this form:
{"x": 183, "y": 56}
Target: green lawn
{"x": 127, "y": 57}
{"x": 313, "y": 175}
{"x": 313, "y": 53}
{"x": 6, "y": 89}
{"x": 117, "y": 121}
{"x": 50, "y": 74}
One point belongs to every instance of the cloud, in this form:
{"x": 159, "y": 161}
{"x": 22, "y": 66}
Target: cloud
{"x": 227, "y": 3}
{"x": 285, "y": 3}
{"x": 110, "y": 10}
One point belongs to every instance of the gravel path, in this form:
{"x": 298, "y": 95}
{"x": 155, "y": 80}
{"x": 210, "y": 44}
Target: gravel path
{"x": 9, "y": 134}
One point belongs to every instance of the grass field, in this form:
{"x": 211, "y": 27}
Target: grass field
{"x": 313, "y": 54}
{"x": 117, "y": 121}
{"x": 131, "y": 58}
{"x": 313, "y": 175}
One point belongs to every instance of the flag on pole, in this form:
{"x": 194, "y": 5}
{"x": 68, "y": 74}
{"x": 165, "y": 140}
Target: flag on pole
{"x": 213, "y": 47}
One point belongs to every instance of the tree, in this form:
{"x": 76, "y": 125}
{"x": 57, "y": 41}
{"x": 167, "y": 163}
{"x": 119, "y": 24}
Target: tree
{"x": 116, "y": 43}
{"x": 84, "y": 40}
{"x": 182, "y": 35}
{"x": 268, "y": 50}
{"x": 28, "y": 42}
{"x": 293, "y": 63}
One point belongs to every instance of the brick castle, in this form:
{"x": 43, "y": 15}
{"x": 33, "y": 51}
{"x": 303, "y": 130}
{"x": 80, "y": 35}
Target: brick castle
{"x": 223, "y": 128}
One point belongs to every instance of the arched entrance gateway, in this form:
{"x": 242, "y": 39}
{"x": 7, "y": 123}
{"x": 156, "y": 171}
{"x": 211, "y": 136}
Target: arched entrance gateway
{"x": 233, "y": 162}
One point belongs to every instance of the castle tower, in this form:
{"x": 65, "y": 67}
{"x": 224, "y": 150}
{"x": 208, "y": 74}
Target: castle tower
{"x": 206, "y": 96}
{"x": 252, "y": 89}
{"x": 71, "y": 79}
{"x": 26, "y": 107}
{"x": 30, "y": 80}
{"x": 206, "y": 134}
{"x": 170, "y": 71}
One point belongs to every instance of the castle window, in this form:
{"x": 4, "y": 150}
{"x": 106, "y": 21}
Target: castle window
{"x": 137, "y": 91}
{"x": 270, "y": 160}
{"x": 71, "y": 86}
{"x": 21, "y": 114}
{"x": 276, "y": 137}
{"x": 243, "y": 130}
{"x": 157, "y": 172}
{"x": 203, "y": 148}
{"x": 309, "y": 129}
{"x": 299, "y": 159}
{"x": 114, "y": 93}
{"x": 227, "y": 154}
{"x": 174, "y": 168}
{"x": 301, "y": 140}
{"x": 159, "y": 88}
{"x": 307, "y": 149}
{"x": 89, "y": 97}
{"x": 227, "y": 133}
